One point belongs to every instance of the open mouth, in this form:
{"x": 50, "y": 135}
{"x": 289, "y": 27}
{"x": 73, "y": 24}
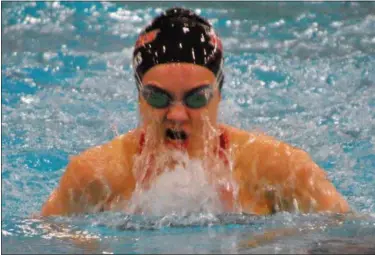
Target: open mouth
{"x": 176, "y": 135}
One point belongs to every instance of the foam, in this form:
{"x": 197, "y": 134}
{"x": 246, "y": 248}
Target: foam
{"x": 183, "y": 189}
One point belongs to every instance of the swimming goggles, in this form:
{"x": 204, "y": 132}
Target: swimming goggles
{"x": 159, "y": 98}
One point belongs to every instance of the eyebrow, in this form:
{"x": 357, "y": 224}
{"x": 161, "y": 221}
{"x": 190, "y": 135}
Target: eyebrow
{"x": 196, "y": 89}
{"x": 156, "y": 88}
{"x": 189, "y": 92}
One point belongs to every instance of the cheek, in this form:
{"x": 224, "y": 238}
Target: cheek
{"x": 200, "y": 117}
{"x": 196, "y": 116}
{"x": 150, "y": 114}
{"x": 212, "y": 110}
{"x": 209, "y": 113}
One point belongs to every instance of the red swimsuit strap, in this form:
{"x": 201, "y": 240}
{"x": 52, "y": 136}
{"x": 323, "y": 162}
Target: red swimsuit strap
{"x": 224, "y": 139}
{"x": 224, "y": 146}
{"x": 141, "y": 141}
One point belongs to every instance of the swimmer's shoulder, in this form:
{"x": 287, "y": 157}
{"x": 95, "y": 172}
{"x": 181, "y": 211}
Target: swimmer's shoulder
{"x": 266, "y": 153}
{"x": 93, "y": 173}
{"x": 248, "y": 140}
{"x": 286, "y": 170}
{"x": 110, "y": 157}
{"x": 121, "y": 146}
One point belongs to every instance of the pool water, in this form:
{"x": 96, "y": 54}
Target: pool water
{"x": 303, "y": 72}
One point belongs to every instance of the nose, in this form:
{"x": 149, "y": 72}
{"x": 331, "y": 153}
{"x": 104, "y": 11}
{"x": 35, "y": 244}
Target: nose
{"x": 177, "y": 113}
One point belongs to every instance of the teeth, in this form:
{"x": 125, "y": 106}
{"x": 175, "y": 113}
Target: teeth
{"x": 176, "y": 135}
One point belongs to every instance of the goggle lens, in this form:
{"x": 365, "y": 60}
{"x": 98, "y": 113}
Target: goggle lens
{"x": 158, "y": 98}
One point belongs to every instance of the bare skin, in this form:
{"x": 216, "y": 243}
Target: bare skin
{"x": 271, "y": 175}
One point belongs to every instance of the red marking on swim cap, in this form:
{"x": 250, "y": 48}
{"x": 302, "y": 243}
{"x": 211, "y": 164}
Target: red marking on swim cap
{"x": 215, "y": 41}
{"x": 146, "y": 38}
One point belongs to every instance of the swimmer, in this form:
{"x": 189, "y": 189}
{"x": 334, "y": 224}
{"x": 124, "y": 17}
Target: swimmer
{"x": 178, "y": 68}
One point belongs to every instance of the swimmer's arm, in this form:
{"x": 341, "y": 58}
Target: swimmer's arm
{"x": 290, "y": 180}
{"x": 68, "y": 198}
{"x": 312, "y": 191}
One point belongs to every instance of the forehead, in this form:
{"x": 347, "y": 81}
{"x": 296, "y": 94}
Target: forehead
{"x": 172, "y": 75}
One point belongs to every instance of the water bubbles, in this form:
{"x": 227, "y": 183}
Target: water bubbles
{"x": 278, "y": 23}
{"x": 336, "y": 24}
{"x": 49, "y": 55}
{"x": 29, "y": 99}
{"x": 31, "y": 20}
{"x": 307, "y": 15}
{"x": 95, "y": 14}
{"x": 243, "y": 101}
{"x": 254, "y": 28}
{"x": 158, "y": 11}
{"x": 236, "y": 22}
{"x": 55, "y": 4}
{"x": 190, "y": 182}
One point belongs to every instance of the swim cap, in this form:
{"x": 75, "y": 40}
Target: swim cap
{"x": 178, "y": 35}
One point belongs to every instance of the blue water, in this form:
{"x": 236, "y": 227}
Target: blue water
{"x": 302, "y": 72}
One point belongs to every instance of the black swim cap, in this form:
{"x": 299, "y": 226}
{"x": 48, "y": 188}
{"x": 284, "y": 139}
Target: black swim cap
{"x": 178, "y": 35}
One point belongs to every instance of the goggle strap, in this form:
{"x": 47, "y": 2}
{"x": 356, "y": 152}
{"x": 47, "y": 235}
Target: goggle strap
{"x": 138, "y": 81}
{"x": 219, "y": 77}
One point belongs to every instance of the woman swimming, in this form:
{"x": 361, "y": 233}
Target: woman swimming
{"x": 178, "y": 67}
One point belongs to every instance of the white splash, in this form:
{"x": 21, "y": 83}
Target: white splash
{"x": 181, "y": 190}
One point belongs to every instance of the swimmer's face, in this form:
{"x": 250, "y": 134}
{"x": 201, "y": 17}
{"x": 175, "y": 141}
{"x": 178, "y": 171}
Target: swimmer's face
{"x": 182, "y": 84}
